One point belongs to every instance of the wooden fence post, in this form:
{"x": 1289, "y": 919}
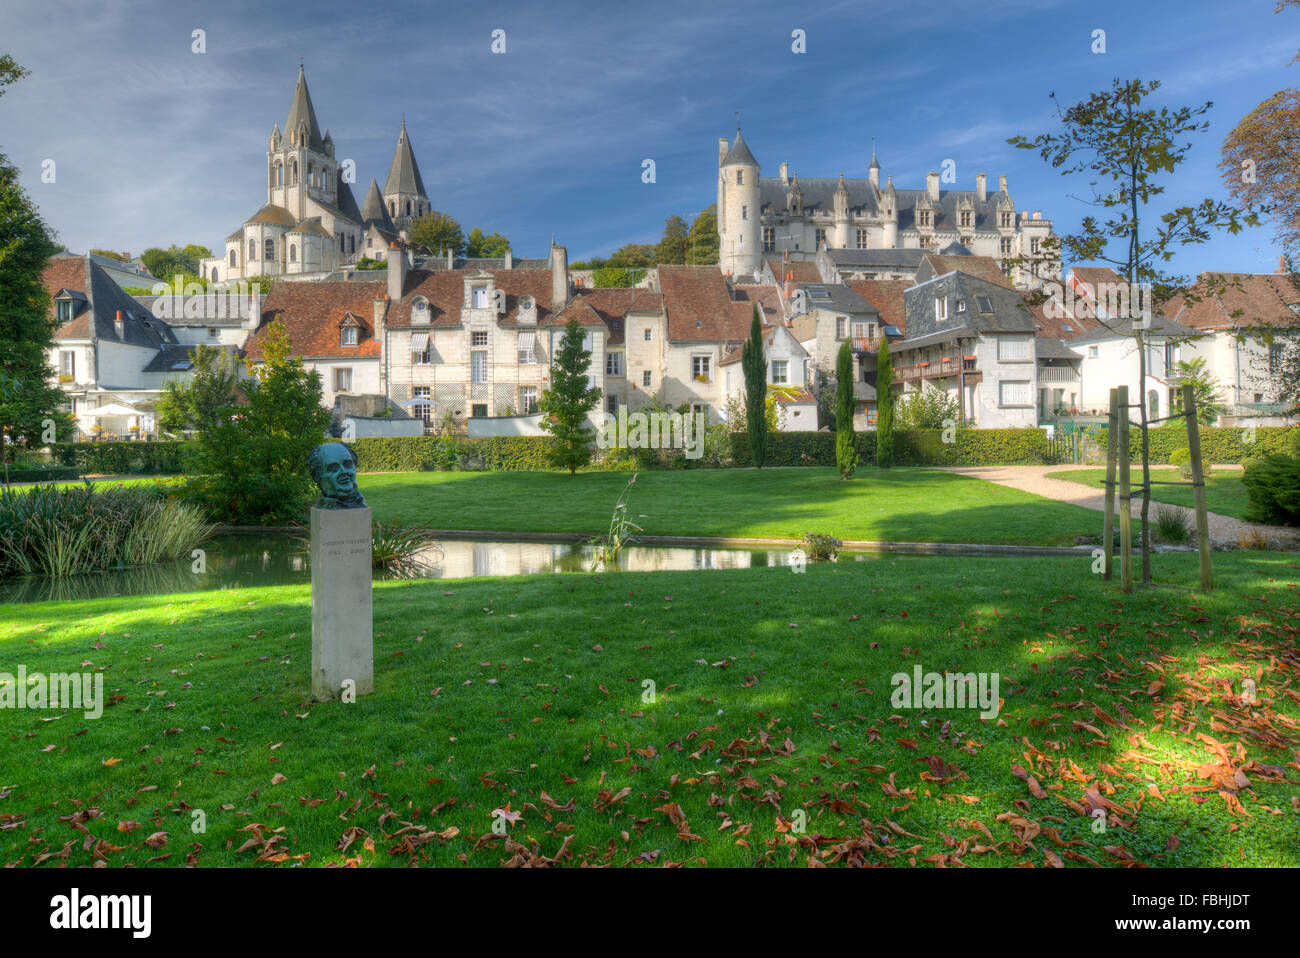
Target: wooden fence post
{"x": 1108, "y": 525}
{"x": 1198, "y": 487}
{"x": 1125, "y": 515}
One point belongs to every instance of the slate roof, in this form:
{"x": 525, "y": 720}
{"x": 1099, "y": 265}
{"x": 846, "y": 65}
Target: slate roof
{"x": 272, "y": 214}
{"x": 984, "y": 267}
{"x": 739, "y": 152}
{"x": 311, "y": 226}
{"x": 699, "y": 307}
{"x": 95, "y": 309}
{"x": 877, "y": 258}
{"x": 375, "y": 211}
{"x": 818, "y": 193}
{"x": 1161, "y": 326}
{"x": 347, "y": 202}
{"x": 1008, "y": 312}
{"x": 404, "y": 173}
{"x": 301, "y": 110}
{"x": 312, "y": 313}
{"x": 838, "y": 296}
{"x": 1047, "y": 347}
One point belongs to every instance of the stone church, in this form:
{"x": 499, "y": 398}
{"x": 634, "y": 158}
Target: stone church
{"x": 310, "y": 224}
{"x": 798, "y": 219}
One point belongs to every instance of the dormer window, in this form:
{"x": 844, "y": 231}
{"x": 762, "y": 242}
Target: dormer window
{"x": 348, "y": 336}
{"x": 941, "y": 309}
{"x": 1004, "y": 220}
{"x": 966, "y": 218}
{"x": 479, "y": 297}
{"x": 420, "y": 311}
{"x": 65, "y": 310}
{"x": 922, "y": 217}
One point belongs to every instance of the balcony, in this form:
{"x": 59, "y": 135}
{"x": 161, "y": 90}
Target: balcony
{"x": 1058, "y": 374}
{"x": 866, "y": 344}
{"x": 939, "y": 369}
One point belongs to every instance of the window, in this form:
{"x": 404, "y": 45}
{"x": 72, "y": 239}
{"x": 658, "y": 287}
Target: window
{"x": 349, "y": 336}
{"x": 270, "y": 250}
{"x": 252, "y": 250}
{"x": 420, "y": 311}
{"x": 1004, "y": 220}
{"x": 212, "y": 332}
{"x": 819, "y": 238}
{"x": 700, "y": 368}
{"x": 769, "y": 239}
{"x": 611, "y": 405}
{"x": 1005, "y": 245}
{"x": 342, "y": 380}
{"x": 424, "y": 410}
{"x": 613, "y": 364}
{"x": 744, "y": 212}
{"x": 780, "y": 371}
{"x": 524, "y": 347}
{"x": 1034, "y": 246}
{"x": 862, "y": 239}
{"x": 65, "y": 311}
{"x": 1013, "y": 348}
{"x": 478, "y": 366}
{"x": 645, "y": 379}
{"x": 67, "y": 364}
{"x": 701, "y": 407}
{"x": 588, "y": 341}
{"x": 293, "y": 253}
{"x": 419, "y": 349}
{"x": 648, "y": 332}
{"x": 479, "y": 410}
{"x": 479, "y": 297}
{"x": 528, "y": 400}
{"x": 840, "y": 323}
{"x": 1092, "y": 352}
{"x": 940, "y": 309}
{"x": 961, "y": 305}
{"x": 740, "y": 177}
{"x": 922, "y": 217}
{"x": 1013, "y": 393}
{"x": 478, "y": 338}
{"x": 234, "y": 259}
{"x": 984, "y": 303}
{"x": 965, "y": 217}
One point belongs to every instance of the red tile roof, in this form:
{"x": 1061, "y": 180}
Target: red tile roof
{"x": 312, "y": 312}
{"x": 699, "y": 306}
{"x": 68, "y": 272}
{"x": 1241, "y": 299}
{"x": 805, "y": 271}
{"x": 445, "y": 291}
{"x": 610, "y": 307}
{"x": 768, "y": 299}
{"x": 982, "y": 267}
{"x": 887, "y": 296}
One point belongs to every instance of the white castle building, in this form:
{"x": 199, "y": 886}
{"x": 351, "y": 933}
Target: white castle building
{"x": 310, "y": 224}
{"x": 760, "y": 215}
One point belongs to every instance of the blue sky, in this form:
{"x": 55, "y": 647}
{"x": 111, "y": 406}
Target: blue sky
{"x": 155, "y": 144}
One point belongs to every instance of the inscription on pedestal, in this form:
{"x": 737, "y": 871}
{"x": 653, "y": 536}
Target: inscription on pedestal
{"x": 342, "y": 644}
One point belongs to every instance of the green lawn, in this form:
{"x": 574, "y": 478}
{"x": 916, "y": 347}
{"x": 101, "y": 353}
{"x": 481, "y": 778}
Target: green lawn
{"x": 913, "y": 505}
{"x": 1224, "y": 492}
{"x": 772, "y": 704}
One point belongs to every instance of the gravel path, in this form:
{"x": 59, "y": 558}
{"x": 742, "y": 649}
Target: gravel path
{"x": 1224, "y": 530}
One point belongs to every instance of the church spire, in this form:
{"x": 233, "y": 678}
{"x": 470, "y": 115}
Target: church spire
{"x": 404, "y": 172}
{"x": 301, "y": 112}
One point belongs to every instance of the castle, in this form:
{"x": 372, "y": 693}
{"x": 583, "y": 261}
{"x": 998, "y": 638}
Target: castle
{"x": 796, "y": 219}
{"x": 310, "y": 224}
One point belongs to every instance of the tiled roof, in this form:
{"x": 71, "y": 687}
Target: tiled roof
{"x": 610, "y": 306}
{"x": 445, "y": 291}
{"x": 805, "y": 271}
{"x": 312, "y": 313}
{"x": 768, "y": 299}
{"x": 1048, "y": 347}
{"x": 274, "y": 215}
{"x": 311, "y": 226}
{"x": 699, "y": 306}
{"x": 1241, "y": 299}
{"x": 94, "y": 317}
{"x": 984, "y": 267}
{"x": 887, "y": 296}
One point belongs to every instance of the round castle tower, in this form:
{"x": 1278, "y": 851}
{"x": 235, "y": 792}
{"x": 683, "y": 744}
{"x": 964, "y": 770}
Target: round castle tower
{"x": 738, "y": 208}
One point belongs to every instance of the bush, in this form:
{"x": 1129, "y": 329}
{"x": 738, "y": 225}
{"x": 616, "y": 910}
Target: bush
{"x": 821, "y": 548}
{"x": 1273, "y": 489}
{"x": 1218, "y": 444}
{"x": 123, "y": 458}
{"x": 1172, "y": 525}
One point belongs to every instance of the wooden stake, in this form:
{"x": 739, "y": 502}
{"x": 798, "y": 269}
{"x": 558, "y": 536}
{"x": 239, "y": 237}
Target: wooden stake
{"x": 1198, "y": 488}
{"x": 1125, "y": 515}
{"x": 1108, "y": 525}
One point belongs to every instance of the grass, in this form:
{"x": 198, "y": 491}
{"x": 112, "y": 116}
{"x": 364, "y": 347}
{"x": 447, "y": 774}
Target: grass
{"x": 915, "y": 505}
{"x": 1224, "y": 492}
{"x": 772, "y": 695}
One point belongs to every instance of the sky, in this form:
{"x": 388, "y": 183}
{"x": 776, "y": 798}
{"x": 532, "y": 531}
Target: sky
{"x": 154, "y": 143}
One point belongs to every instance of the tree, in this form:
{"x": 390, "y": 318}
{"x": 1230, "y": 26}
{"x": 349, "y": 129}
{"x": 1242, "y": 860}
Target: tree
{"x": 489, "y": 246}
{"x": 197, "y": 404}
{"x": 846, "y": 451}
{"x": 1205, "y": 389}
{"x": 252, "y": 461}
{"x": 754, "y": 366}
{"x": 1261, "y": 163}
{"x": 616, "y": 277}
{"x": 174, "y": 261}
{"x": 674, "y": 243}
{"x": 703, "y": 241}
{"x": 632, "y": 256}
{"x": 438, "y": 232}
{"x": 122, "y": 257}
{"x": 28, "y": 403}
{"x": 568, "y": 401}
{"x": 884, "y": 406}
{"x": 928, "y": 409}
{"x": 1126, "y": 147}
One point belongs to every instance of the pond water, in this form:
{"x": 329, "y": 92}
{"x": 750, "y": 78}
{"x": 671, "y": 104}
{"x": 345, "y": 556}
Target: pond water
{"x": 240, "y": 561}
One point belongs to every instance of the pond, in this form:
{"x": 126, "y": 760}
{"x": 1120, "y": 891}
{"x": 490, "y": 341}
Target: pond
{"x": 242, "y": 561}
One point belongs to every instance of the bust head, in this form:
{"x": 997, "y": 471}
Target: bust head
{"x": 333, "y": 467}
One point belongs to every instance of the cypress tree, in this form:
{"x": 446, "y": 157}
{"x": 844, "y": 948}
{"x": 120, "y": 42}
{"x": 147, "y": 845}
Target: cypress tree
{"x": 884, "y": 406}
{"x": 755, "y": 369}
{"x": 846, "y": 453}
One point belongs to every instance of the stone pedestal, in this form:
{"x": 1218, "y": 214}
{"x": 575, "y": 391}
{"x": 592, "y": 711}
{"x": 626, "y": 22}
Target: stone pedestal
{"x": 342, "y": 649}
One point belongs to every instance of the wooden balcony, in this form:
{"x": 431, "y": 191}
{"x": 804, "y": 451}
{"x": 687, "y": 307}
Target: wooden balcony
{"x": 866, "y": 344}
{"x": 948, "y": 366}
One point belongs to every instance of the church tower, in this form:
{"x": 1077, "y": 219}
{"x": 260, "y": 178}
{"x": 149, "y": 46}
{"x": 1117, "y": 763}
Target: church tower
{"x": 300, "y": 161}
{"x": 404, "y": 193}
{"x": 738, "y": 208}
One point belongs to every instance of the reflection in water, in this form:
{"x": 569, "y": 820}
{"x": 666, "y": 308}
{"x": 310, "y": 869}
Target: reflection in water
{"x": 237, "y": 561}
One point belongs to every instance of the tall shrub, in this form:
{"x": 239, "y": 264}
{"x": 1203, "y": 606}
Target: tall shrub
{"x": 884, "y": 407}
{"x": 569, "y": 400}
{"x": 846, "y": 453}
{"x": 755, "y": 369}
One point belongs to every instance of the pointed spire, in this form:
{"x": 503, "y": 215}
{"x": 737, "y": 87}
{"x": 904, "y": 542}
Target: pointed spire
{"x": 302, "y": 112}
{"x": 841, "y": 188}
{"x": 374, "y": 211}
{"x": 875, "y": 163}
{"x": 739, "y": 152}
{"x": 404, "y": 173}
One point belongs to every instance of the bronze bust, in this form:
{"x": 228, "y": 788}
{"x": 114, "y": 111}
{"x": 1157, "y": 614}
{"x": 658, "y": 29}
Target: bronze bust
{"x": 333, "y": 467}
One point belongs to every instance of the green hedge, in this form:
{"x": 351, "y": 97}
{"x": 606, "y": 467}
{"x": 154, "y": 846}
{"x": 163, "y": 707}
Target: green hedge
{"x": 41, "y": 473}
{"x": 121, "y": 458}
{"x": 428, "y": 453}
{"x": 1218, "y": 444}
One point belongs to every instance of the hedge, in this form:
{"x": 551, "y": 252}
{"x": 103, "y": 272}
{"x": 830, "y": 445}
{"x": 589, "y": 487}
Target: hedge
{"x": 1218, "y": 444}
{"x": 41, "y": 473}
{"x": 912, "y": 447}
{"x": 121, "y": 458}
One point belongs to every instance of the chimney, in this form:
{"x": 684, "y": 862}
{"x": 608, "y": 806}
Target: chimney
{"x": 1038, "y": 214}
{"x": 785, "y": 174}
{"x": 559, "y": 277}
{"x": 510, "y": 260}
{"x": 723, "y": 146}
{"x": 1002, "y": 183}
{"x": 982, "y": 187}
{"x": 118, "y": 326}
{"x": 932, "y": 186}
{"x": 381, "y": 314}
{"x": 396, "y": 272}
{"x": 254, "y": 317}
{"x": 451, "y": 262}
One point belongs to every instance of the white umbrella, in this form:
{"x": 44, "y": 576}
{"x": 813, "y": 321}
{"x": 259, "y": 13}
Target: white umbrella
{"x": 112, "y": 409}
{"x": 419, "y": 401}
